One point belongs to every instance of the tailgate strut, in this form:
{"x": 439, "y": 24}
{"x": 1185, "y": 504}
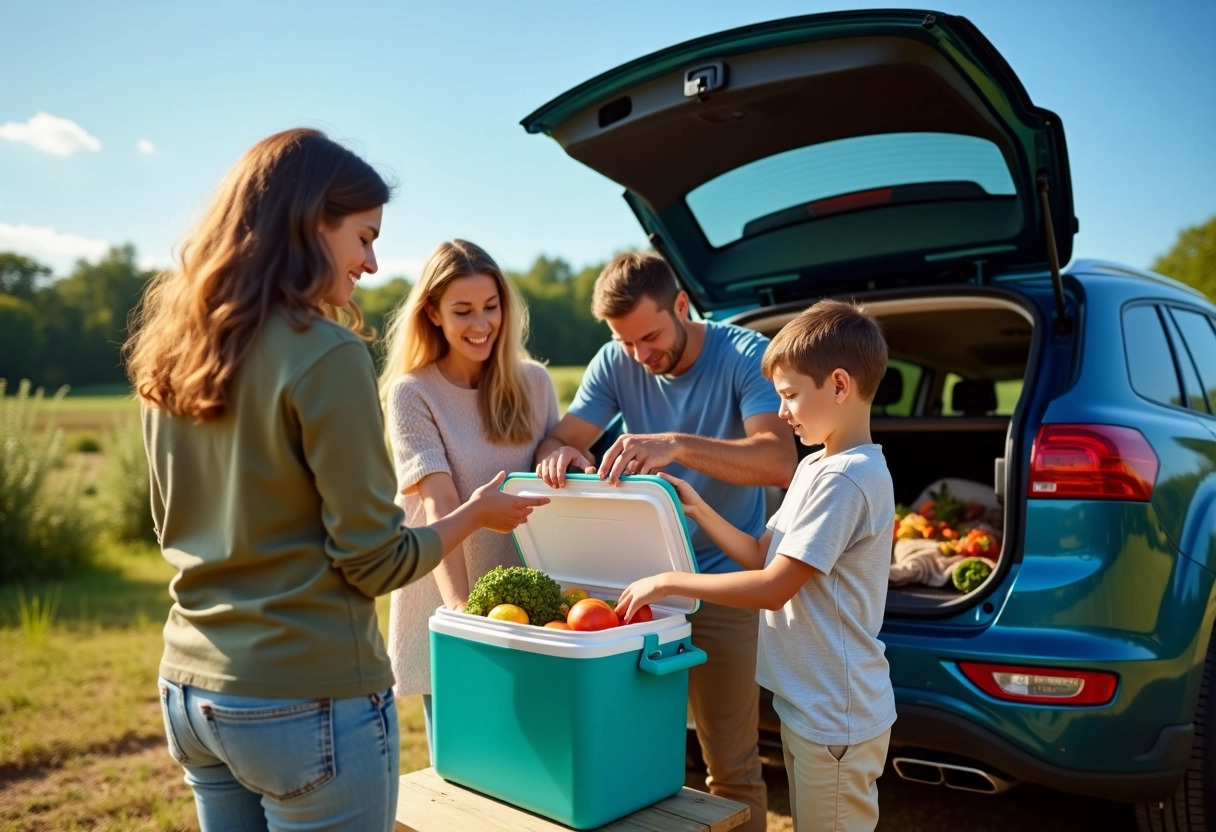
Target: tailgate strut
{"x": 1063, "y": 325}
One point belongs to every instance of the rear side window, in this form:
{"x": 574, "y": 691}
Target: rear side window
{"x": 1192, "y": 389}
{"x": 1150, "y": 364}
{"x": 1200, "y": 339}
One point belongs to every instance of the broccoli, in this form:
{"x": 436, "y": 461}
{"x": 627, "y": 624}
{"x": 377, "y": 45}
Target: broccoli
{"x": 970, "y": 573}
{"x": 538, "y": 594}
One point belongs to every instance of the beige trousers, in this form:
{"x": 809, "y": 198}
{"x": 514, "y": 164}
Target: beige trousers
{"x": 725, "y": 703}
{"x": 834, "y": 788}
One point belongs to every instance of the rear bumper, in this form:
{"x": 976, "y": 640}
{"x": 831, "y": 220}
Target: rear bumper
{"x": 941, "y": 736}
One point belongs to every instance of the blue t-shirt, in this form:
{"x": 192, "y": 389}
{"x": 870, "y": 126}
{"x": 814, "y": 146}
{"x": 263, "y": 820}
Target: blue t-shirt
{"x": 723, "y": 387}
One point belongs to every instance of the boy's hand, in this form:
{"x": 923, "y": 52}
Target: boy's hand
{"x": 689, "y": 498}
{"x": 500, "y": 511}
{"x": 552, "y": 469}
{"x": 640, "y": 593}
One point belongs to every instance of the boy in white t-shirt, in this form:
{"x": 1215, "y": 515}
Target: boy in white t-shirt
{"x": 819, "y": 571}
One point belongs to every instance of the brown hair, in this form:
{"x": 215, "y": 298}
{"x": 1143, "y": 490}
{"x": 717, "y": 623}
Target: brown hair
{"x": 628, "y": 278}
{"x": 257, "y": 251}
{"x": 831, "y": 334}
{"x": 412, "y": 341}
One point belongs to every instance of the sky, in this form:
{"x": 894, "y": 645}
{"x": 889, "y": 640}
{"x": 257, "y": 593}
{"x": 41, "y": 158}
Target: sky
{"x": 117, "y": 121}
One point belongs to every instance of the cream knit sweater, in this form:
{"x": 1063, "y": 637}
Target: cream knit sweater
{"x": 435, "y": 426}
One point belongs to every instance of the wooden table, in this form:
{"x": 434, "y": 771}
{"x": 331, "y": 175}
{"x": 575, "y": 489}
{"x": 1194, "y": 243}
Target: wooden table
{"x": 428, "y": 803}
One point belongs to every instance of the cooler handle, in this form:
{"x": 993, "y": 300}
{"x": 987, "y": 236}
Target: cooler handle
{"x": 681, "y": 655}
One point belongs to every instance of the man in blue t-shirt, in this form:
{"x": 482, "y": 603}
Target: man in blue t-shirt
{"x": 695, "y": 404}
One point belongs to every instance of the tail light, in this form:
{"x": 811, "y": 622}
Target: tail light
{"x": 1092, "y": 462}
{"x": 1042, "y": 685}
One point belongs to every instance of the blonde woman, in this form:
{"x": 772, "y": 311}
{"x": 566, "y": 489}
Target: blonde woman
{"x": 462, "y": 398}
{"x": 272, "y": 496}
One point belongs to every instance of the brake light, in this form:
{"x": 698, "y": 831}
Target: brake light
{"x": 850, "y": 202}
{"x": 1094, "y": 462}
{"x": 1042, "y": 685}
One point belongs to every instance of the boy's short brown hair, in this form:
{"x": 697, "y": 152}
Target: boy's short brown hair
{"x": 831, "y": 334}
{"x": 629, "y": 277}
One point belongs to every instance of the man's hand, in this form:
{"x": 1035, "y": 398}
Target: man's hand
{"x": 638, "y": 453}
{"x": 552, "y": 469}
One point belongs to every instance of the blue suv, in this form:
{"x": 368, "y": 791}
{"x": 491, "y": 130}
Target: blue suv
{"x": 895, "y": 158}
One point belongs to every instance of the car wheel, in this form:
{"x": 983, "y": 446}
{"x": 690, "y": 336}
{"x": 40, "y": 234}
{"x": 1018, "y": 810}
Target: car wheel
{"x": 1187, "y": 809}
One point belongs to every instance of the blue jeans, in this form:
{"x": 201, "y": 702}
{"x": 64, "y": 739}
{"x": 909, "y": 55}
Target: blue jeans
{"x": 279, "y": 764}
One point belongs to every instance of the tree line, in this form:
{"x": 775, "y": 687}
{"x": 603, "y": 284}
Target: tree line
{"x": 70, "y": 330}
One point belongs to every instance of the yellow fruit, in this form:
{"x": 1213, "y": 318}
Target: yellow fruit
{"x": 573, "y": 595}
{"x": 508, "y": 612}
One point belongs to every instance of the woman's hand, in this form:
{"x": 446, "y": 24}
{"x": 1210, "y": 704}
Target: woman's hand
{"x": 552, "y": 469}
{"x": 689, "y": 498}
{"x": 498, "y": 511}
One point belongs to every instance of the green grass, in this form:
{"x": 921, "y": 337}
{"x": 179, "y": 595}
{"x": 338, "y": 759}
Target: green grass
{"x": 88, "y": 415}
{"x": 81, "y": 738}
{"x": 566, "y": 380}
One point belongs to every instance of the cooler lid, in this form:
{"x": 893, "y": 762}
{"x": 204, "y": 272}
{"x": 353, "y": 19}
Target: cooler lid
{"x": 600, "y": 536}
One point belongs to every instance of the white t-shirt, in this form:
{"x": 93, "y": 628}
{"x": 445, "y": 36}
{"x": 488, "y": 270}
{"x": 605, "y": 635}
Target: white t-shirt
{"x": 820, "y": 654}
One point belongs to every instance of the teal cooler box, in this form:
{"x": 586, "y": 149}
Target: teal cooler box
{"x": 581, "y": 727}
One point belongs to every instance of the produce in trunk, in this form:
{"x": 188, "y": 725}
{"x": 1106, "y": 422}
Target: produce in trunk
{"x": 969, "y": 573}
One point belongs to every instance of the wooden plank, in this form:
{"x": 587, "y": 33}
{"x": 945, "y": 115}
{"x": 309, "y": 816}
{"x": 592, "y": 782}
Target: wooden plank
{"x": 428, "y": 803}
{"x": 716, "y": 814}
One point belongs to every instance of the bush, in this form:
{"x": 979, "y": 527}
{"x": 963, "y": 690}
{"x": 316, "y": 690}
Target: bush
{"x": 44, "y": 531}
{"x": 87, "y": 444}
{"x": 126, "y": 486}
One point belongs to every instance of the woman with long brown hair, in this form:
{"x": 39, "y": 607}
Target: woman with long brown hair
{"x": 272, "y": 496}
{"x": 462, "y": 398}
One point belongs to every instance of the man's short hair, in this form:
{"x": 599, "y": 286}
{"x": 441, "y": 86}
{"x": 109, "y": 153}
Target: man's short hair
{"x": 831, "y": 334}
{"x": 629, "y": 277}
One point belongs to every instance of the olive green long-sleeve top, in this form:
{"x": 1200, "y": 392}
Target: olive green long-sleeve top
{"x": 280, "y": 521}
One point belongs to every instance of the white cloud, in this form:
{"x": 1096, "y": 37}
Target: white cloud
{"x": 56, "y": 249}
{"x": 50, "y": 134}
{"x": 145, "y": 147}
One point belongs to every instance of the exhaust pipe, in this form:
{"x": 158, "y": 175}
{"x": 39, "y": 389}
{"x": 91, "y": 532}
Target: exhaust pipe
{"x": 950, "y": 775}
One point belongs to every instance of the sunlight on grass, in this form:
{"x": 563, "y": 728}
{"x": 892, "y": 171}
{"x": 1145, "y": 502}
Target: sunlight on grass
{"x": 37, "y": 615}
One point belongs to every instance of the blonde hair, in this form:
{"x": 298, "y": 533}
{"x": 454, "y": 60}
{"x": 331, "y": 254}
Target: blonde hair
{"x": 828, "y": 335}
{"x": 412, "y": 341}
{"x": 629, "y": 277}
{"x": 257, "y": 251}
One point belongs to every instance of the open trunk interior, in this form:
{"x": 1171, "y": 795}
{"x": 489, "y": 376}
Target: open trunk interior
{"x": 943, "y": 413}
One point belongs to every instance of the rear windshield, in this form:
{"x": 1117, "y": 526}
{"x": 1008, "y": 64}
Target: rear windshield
{"x": 872, "y": 170}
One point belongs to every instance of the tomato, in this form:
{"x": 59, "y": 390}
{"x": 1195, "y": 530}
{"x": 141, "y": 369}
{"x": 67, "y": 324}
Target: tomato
{"x": 641, "y": 614}
{"x": 592, "y": 614}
